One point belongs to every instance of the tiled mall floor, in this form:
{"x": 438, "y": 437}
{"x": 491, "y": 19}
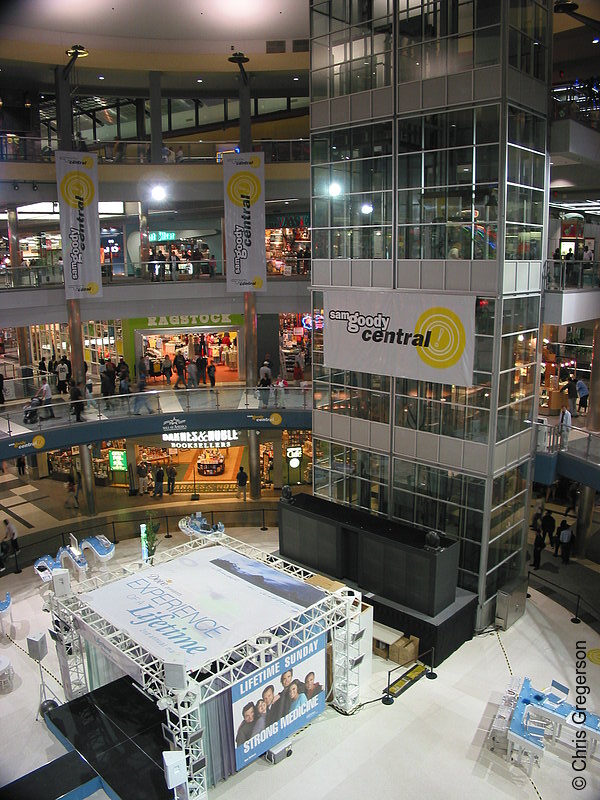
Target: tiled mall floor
{"x": 430, "y": 744}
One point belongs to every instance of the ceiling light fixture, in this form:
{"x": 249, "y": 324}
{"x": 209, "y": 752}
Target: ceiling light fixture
{"x": 74, "y": 52}
{"x": 35, "y": 187}
{"x": 27, "y": 101}
{"x": 158, "y": 193}
{"x": 199, "y": 80}
{"x": 16, "y": 186}
{"x": 296, "y": 78}
{"x": 1, "y": 102}
{"x": 596, "y": 40}
{"x": 100, "y": 77}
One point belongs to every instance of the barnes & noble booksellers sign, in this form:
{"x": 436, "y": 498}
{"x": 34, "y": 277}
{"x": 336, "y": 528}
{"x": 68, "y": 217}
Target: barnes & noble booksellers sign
{"x": 407, "y": 335}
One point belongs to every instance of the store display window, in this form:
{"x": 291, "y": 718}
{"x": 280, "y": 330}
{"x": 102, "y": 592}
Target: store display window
{"x": 220, "y": 346}
{"x": 288, "y": 251}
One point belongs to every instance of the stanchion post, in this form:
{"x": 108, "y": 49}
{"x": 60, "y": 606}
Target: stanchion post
{"x": 264, "y": 527}
{"x": 431, "y": 674}
{"x": 18, "y": 569}
{"x": 167, "y": 534}
{"x": 114, "y": 533}
{"x": 387, "y": 698}
{"x": 575, "y": 620}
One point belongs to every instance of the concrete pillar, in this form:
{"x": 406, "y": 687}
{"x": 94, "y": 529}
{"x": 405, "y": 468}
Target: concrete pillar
{"x": 140, "y": 127}
{"x": 88, "y": 484}
{"x": 593, "y": 421}
{"x": 585, "y": 512}
{"x": 23, "y": 341}
{"x": 155, "y": 118}
{"x": 144, "y": 238}
{"x": 132, "y": 456}
{"x": 64, "y": 109}
{"x": 278, "y": 477}
{"x": 250, "y": 336}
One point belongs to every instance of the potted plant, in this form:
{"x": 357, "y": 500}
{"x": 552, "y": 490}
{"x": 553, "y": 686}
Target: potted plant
{"x": 152, "y": 528}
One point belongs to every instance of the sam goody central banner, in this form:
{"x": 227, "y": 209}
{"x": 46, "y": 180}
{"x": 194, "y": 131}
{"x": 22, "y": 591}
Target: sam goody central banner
{"x": 77, "y": 184}
{"x": 244, "y": 199}
{"x": 407, "y": 335}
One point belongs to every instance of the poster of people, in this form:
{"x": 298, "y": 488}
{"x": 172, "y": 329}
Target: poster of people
{"x": 273, "y": 702}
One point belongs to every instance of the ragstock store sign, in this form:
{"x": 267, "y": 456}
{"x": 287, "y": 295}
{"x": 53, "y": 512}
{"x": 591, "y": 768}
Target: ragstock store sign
{"x": 425, "y": 337}
{"x": 178, "y": 320}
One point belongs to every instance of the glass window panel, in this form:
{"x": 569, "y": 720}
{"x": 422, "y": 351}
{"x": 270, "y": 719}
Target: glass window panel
{"x": 434, "y": 58}
{"x": 460, "y": 167}
{"x": 487, "y": 47}
{"x": 403, "y": 505}
{"x": 526, "y": 129}
{"x": 409, "y": 134}
{"x": 484, "y": 349}
{"x": 487, "y": 12}
{"x": 435, "y": 168}
{"x": 486, "y": 164}
{"x": 409, "y": 64}
{"x": 433, "y": 202}
{"x": 320, "y": 148}
{"x": 460, "y": 128}
{"x": 485, "y": 239}
{"x": 522, "y": 243}
{"x": 409, "y": 171}
{"x": 484, "y": 316}
{"x": 470, "y": 554}
{"x": 460, "y": 53}
{"x": 382, "y": 139}
{"x": 435, "y": 131}
{"x": 459, "y": 240}
{"x": 409, "y": 242}
{"x": 409, "y": 207}
{"x": 459, "y": 203}
{"x": 487, "y": 120}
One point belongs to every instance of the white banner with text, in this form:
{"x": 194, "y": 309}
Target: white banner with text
{"x": 77, "y": 188}
{"x": 244, "y": 199}
{"x": 426, "y": 337}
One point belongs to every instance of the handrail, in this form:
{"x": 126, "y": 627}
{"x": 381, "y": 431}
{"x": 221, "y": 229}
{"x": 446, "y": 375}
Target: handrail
{"x": 29, "y": 552}
{"x": 49, "y": 276}
{"x": 575, "y": 619}
{"x": 570, "y": 439}
{"x": 387, "y": 697}
{"x": 567, "y": 275}
{"x": 14, "y": 147}
{"x": 203, "y": 398}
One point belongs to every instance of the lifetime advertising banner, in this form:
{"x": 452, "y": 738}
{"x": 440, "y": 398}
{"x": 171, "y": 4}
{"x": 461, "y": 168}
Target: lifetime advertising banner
{"x": 244, "y": 199}
{"x": 197, "y": 606}
{"x": 77, "y": 184}
{"x": 275, "y": 701}
{"x": 427, "y": 337}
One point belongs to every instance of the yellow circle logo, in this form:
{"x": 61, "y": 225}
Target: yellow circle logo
{"x": 443, "y": 337}
{"x": 594, "y": 655}
{"x": 38, "y": 442}
{"x": 254, "y": 161}
{"x": 243, "y": 186}
{"x": 257, "y": 282}
{"x": 93, "y": 288}
{"x": 275, "y": 419}
{"x": 76, "y": 188}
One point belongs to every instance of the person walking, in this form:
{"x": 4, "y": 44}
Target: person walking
{"x": 584, "y": 394}
{"x": 179, "y": 364}
{"x": 538, "y": 546}
{"x": 211, "y": 371}
{"x": 21, "y": 465}
{"x": 45, "y": 395}
{"x": 572, "y": 395}
{"x": 171, "y": 475}
{"x": 62, "y": 373}
{"x": 202, "y": 363}
{"x": 242, "y": 481}
{"x": 548, "y": 527}
{"x": 11, "y": 536}
{"x": 573, "y": 497}
{"x": 167, "y": 368}
{"x": 76, "y": 398}
{"x": 564, "y": 426}
{"x": 142, "y": 472}
{"x": 192, "y": 371}
{"x": 566, "y": 538}
{"x": 564, "y": 524}
{"x": 159, "y": 478}
{"x": 2, "y": 400}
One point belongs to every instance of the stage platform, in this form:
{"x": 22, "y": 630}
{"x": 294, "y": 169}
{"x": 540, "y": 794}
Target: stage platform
{"x": 117, "y": 730}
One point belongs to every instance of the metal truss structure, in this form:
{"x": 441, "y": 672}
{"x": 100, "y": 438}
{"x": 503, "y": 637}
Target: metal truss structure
{"x": 336, "y": 613}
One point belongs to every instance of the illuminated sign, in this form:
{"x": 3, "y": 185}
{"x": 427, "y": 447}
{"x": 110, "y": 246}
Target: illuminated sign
{"x": 293, "y": 455}
{"x": 192, "y": 440}
{"x": 307, "y": 322}
{"x": 161, "y": 236}
{"x": 117, "y": 459}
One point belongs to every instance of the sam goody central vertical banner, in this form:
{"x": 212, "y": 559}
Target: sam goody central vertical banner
{"x": 77, "y": 183}
{"x": 244, "y": 179}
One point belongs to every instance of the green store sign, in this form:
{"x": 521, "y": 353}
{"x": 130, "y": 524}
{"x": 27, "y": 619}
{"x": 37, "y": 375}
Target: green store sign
{"x": 161, "y": 236}
{"x": 185, "y": 320}
{"x": 117, "y": 460}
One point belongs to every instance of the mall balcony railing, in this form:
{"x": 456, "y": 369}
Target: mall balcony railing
{"x": 45, "y": 276}
{"x": 36, "y": 149}
{"x": 119, "y": 406}
{"x": 579, "y": 103}
{"x": 569, "y": 439}
{"x": 566, "y": 275}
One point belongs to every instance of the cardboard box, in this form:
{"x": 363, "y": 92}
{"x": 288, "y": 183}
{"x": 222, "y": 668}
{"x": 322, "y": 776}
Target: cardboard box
{"x": 325, "y": 583}
{"x": 405, "y": 650}
{"x": 381, "y": 649}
